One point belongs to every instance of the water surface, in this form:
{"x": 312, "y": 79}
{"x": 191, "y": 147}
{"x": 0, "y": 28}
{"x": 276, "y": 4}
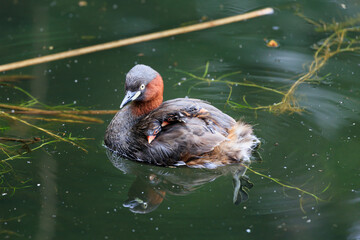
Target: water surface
{"x": 74, "y": 195}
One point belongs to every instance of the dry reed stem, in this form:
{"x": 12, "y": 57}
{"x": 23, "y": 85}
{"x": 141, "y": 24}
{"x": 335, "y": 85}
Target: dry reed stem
{"x": 138, "y": 39}
{"x": 53, "y": 119}
{"x": 73, "y": 114}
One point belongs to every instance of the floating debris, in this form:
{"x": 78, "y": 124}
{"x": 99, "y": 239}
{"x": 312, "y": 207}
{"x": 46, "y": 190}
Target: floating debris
{"x": 272, "y": 43}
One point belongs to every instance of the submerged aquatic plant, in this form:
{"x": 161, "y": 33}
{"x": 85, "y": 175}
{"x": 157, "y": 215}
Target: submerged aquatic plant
{"x": 342, "y": 37}
{"x": 25, "y": 113}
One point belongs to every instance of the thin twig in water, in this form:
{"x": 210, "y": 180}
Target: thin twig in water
{"x": 42, "y": 129}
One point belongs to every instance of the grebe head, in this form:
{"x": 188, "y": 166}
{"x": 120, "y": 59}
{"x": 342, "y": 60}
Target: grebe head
{"x": 142, "y": 84}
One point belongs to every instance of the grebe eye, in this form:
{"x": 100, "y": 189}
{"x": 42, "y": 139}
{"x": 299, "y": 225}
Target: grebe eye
{"x": 142, "y": 87}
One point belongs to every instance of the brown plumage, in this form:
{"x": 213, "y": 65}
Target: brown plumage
{"x": 185, "y": 131}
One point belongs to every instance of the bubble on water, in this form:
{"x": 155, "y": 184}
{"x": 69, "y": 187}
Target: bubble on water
{"x": 248, "y": 230}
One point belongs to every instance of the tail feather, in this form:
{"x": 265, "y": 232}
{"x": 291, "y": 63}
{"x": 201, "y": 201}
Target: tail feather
{"x": 237, "y": 148}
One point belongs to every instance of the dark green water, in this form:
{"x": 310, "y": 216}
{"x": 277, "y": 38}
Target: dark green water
{"x": 74, "y": 195}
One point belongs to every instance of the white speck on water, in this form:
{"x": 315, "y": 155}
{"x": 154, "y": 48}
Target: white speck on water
{"x": 151, "y": 219}
{"x": 156, "y": 228}
{"x": 8, "y": 99}
{"x": 310, "y": 130}
{"x": 308, "y": 221}
{"x": 183, "y": 79}
{"x": 115, "y": 6}
{"x": 179, "y": 83}
{"x": 285, "y": 167}
{"x": 154, "y": 50}
{"x": 3, "y": 194}
{"x": 38, "y": 184}
{"x": 168, "y": 208}
{"x": 240, "y": 46}
{"x": 53, "y": 216}
{"x": 275, "y": 28}
{"x": 74, "y": 102}
{"x": 75, "y": 80}
{"x": 248, "y": 230}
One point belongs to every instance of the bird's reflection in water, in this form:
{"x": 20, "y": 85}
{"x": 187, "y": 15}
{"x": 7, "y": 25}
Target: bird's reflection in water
{"x": 153, "y": 183}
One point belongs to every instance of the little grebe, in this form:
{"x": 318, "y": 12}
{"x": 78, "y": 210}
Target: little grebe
{"x": 181, "y": 131}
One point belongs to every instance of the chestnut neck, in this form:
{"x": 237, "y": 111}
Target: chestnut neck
{"x": 152, "y": 99}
